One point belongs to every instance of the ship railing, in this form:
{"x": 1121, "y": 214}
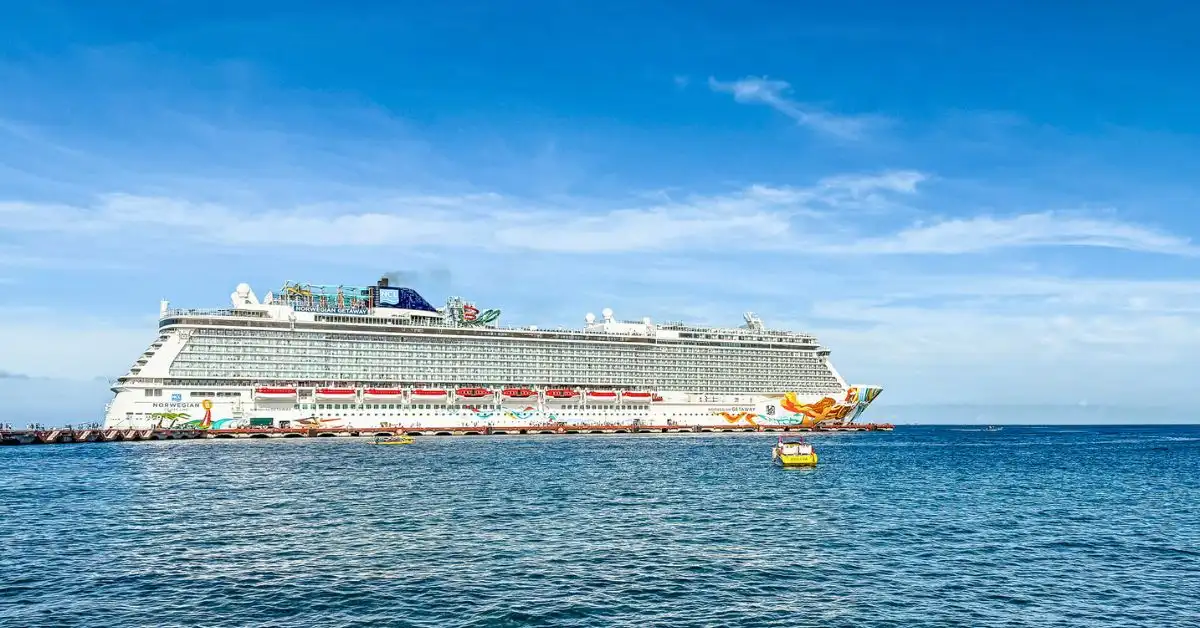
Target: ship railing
{"x": 589, "y": 333}
{"x": 198, "y": 312}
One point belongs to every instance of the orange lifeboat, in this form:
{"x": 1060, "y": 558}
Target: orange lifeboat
{"x": 561, "y": 394}
{"x": 383, "y": 394}
{"x": 429, "y": 395}
{"x": 267, "y": 392}
{"x": 517, "y": 393}
{"x": 334, "y": 393}
{"x": 472, "y": 393}
{"x": 606, "y": 396}
{"x": 636, "y": 396}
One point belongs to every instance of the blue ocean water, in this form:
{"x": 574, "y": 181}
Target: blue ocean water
{"x": 945, "y": 526}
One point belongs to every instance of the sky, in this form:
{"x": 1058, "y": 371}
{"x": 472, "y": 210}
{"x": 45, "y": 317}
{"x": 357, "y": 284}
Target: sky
{"x": 983, "y": 205}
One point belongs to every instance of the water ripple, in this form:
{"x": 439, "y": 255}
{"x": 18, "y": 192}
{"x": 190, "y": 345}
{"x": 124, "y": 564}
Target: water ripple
{"x": 922, "y": 527}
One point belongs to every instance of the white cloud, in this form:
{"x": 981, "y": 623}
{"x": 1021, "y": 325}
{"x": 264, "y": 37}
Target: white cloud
{"x": 792, "y": 220}
{"x": 755, "y": 90}
{"x": 755, "y": 217}
{"x": 891, "y": 181}
{"x": 968, "y": 235}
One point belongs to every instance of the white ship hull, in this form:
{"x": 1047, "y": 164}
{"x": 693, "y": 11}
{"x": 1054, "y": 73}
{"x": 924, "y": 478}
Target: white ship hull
{"x": 369, "y": 358}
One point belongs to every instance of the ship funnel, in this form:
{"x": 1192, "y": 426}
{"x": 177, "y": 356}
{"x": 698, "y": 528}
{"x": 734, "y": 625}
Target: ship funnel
{"x": 383, "y": 282}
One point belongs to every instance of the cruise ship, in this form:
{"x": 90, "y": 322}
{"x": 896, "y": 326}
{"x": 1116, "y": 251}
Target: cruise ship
{"x": 380, "y": 356}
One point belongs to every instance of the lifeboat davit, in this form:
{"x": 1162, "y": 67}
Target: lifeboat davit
{"x": 266, "y": 393}
{"x": 602, "y": 396}
{"x": 334, "y": 393}
{"x": 634, "y": 396}
{"x": 517, "y": 394}
{"x": 472, "y": 393}
{"x": 429, "y": 395}
{"x": 561, "y": 394}
{"x": 383, "y": 394}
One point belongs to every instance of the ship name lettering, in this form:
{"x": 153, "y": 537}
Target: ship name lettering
{"x": 316, "y": 309}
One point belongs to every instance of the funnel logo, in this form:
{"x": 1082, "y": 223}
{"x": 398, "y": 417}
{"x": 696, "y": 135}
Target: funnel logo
{"x": 389, "y": 296}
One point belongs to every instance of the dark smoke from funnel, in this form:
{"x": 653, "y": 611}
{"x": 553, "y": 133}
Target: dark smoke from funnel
{"x": 410, "y": 278}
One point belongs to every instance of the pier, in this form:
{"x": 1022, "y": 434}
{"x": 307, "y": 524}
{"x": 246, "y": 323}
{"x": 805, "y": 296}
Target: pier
{"x": 63, "y": 436}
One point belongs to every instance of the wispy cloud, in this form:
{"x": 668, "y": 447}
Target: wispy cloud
{"x": 862, "y": 184}
{"x": 773, "y": 93}
{"x": 31, "y": 135}
{"x": 756, "y": 216}
{"x": 796, "y": 220}
{"x": 986, "y": 233}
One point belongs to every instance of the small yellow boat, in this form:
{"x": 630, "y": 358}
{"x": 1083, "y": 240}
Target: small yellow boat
{"x": 400, "y": 439}
{"x": 794, "y": 454}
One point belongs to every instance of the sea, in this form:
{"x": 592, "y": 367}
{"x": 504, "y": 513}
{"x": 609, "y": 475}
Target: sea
{"x": 924, "y": 526}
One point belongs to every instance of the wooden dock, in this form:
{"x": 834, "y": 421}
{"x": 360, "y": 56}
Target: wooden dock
{"x": 61, "y": 436}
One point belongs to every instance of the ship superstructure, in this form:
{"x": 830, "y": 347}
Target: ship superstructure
{"x": 382, "y": 356}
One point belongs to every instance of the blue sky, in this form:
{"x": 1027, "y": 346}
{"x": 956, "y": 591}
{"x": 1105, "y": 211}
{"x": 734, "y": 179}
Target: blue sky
{"x": 979, "y": 203}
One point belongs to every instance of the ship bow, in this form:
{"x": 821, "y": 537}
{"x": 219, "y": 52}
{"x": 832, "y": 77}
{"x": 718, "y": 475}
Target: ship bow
{"x": 861, "y": 396}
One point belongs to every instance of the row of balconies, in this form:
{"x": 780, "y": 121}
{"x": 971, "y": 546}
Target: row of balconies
{"x": 308, "y": 337}
{"x": 286, "y": 365}
{"x": 459, "y": 356}
{"x": 456, "y": 345}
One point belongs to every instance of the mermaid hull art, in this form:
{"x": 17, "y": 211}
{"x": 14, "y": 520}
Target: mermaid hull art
{"x": 316, "y": 357}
